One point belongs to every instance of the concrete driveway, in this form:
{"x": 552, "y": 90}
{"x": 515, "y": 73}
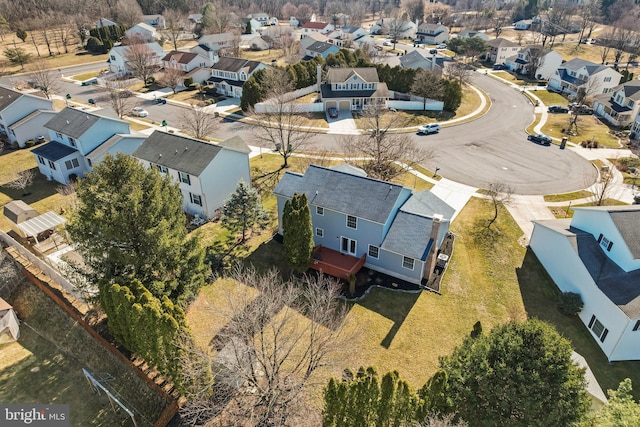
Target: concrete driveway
{"x": 343, "y": 124}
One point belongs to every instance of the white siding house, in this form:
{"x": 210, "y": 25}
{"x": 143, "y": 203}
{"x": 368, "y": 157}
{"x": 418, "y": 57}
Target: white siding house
{"x": 597, "y": 255}
{"x": 621, "y": 105}
{"x": 578, "y": 73}
{"x": 118, "y": 57}
{"x": 229, "y": 74}
{"x": 208, "y": 173}
{"x": 142, "y": 31}
{"x": 17, "y": 108}
{"x": 545, "y": 61}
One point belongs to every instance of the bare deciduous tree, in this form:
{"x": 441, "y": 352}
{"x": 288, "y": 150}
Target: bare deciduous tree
{"x": 604, "y": 186}
{"x": 118, "y": 97}
{"x": 499, "y": 194}
{"x": 175, "y": 25}
{"x": 8, "y": 273}
{"x": 45, "y": 79}
{"x": 280, "y": 126}
{"x": 197, "y": 122}
{"x": 141, "y": 61}
{"x": 457, "y": 70}
{"x": 172, "y": 77}
{"x": 427, "y": 85}
{"x": 128, "y": 12}
{"x": 380, "y": 152}
{"x": 277, "y": 336}
{"x": 21, "y": 180}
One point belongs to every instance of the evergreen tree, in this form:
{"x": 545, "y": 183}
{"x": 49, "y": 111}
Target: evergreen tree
{"x": 129, "y": 225}
{"x": 21, "y": 34}
{"x": 621, "y": 410}
{"x": 244, "y": 212}
{"x": 253, "y": 90}
{"x": 208, "y": 16}
{"x": 452, "y": 96}
{"x": 520, "y": 374}
{"x": 17, "y": 55}
{"x": 298, "y": 232}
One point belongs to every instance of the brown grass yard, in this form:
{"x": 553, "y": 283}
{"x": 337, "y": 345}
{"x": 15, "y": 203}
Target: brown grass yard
{"x": 564, "y": 197}
{"x": 550, "y": 98}
{"x": 45, "y": 366}
{"x": 588, "y": 127}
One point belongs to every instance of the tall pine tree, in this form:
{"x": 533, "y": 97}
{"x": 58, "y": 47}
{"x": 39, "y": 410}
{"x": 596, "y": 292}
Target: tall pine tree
{"x": 244, "y": 212}
{"x": 298, "y": 232}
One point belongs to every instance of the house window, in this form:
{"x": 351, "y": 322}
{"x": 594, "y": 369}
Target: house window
{"x": 631, "y": 104}
{"x": 59, "y": 136}
{"x": 195, "y": 199}
{"x": 52, "y": 165}
{"x": 352, "y": 222}
{"x": 70, "y": 164}
{"x": 605, "y": 243}
{"x": 598, "y": 329}
{"x": 374, "y": 251}
{"x": 319, "y": 232}
{"x": 113, "y": 58}
{"x": 184, "y": 177}
{"x": 637, "y": 325}
{"x": 41, "y": 160}
{"x": 607, "y": 79}
{"x": 72, "y": 142}
{"x": 407, "y": 262}
{"x": 349, "y": 246}
{"x": 161, "y": 168}
{"x": 319, "y": 210}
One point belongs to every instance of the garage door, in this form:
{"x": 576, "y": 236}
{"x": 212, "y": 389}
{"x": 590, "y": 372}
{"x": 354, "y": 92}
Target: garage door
{"x": 345, "y": 106}
{"x": 330, "y": 104}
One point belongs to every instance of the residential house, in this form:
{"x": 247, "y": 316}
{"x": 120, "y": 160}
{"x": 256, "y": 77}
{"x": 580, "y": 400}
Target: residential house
{"x": 249, "y": 25}
{"x": 22, "y": 116}
{"x": 500, "y": 49}
{"x": 396, "y": 232}
{"x": 73, "y": 135}
{"x": 578, "y": 73}
{"x": 229, "y": 74}
{"x": 597, "y": 255}
{"x": 262, "y": 18}
{"x": 142, "y": 31}
{"x": 118, "y": 57}
{"x": 293, "y": 22}
{"x": 207, "y": 173}
{"x": 322, "y": 49}
{"x": 185, "y": 61}
{"x": 432, "y": 33}
{"x": 523, "y": 24}
{"x": 195, "y": 18}
{"x": 214, "y": 45}
{"x": 621, "y": 105}
{"x": 315, "y": 27}
{"x": 466, "y": 33}
{"x": 259, "y": 43}
{"x": 344, "y": 36}
{"x": 545, "y": 61}
{"x": 156, "y": 21}
{"x": 104, "y": 22}
{"x": 118, "y": 143}
{"x": 365, "y": 42}
{"x": 395, "y": 27}
{"x": 348, "y": 89}
{"x": 635, "y": 128}
{"x": 417, "y": 59}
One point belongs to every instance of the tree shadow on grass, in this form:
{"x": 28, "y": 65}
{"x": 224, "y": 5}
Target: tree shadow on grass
{"x": 268, "y": 255}
{"x": 540, "y": 296}
{"x": 40, "y": 189}
{"x": 394, "y": 306}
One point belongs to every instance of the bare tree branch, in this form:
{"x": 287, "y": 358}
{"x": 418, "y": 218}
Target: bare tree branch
{"x": 197, "y": 122}
{"x": 500, "y": 194}
{"x": 21, "y": 180}
{"x": 119, "y": 98}
{"x": 45, "y": 79}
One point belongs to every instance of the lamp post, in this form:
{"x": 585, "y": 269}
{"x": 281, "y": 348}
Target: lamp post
{"x": 566, "y": 214}
{"x": 435, "y": 173}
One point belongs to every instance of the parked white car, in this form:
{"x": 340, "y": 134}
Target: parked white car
{"x": 429, "y": 128}
{"x": 139, "y": 112}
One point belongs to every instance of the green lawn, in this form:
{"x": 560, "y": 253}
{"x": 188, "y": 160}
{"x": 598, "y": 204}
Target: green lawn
{"x": 565, "y": 197}
{"x": 588, "y": 127}
{"x": 551, "y": 98}
{"x": 86, "y": 76}
{"x": 518, "y": 79}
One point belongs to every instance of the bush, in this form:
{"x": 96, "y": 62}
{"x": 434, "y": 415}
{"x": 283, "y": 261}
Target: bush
{"x": 30, "y": 143}
{"x": 570, "y": 303}
{"x": 73, "y": 177}
{"x": 14, "y": 145}
{"x": 188, "y": 81}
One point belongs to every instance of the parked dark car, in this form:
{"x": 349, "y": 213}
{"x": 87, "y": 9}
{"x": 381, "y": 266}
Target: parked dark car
{"x": 540, "y": 138}
{"x": 558, "y": 109}
{"x": 581, "y": 109}
{"x": 333, "y": 113}
{"x": 498, "y": 66}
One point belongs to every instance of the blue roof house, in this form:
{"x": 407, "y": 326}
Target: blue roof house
{"x": 396, "y": 231}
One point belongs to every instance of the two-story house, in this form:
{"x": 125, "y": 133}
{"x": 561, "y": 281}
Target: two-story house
{"x": 345, "y": 35}
{"x": 396, "y": 232}
{"x": 229, "y": 74}
{"x": 73, "y": 135}
{"x": 348, "y": 89}
{"x": 500, "y": 49}
{"x": 156, "y": 21}
{"x": 142, "y": 31}
{"x": 635, "y": 128}
{"x": 466, "y": 33}
{"x": 207, "y": 173}
{"x": 315, "y": 27}
{"x": 432, "y": 33}
{"x": 22, "y": 116}
{"x": 416, "y": 59}
{"x": 535, "y": 60}
{"x": 185, "y": 61}
{"x": 621, "y": 105}
{"x": 597, "y": 255}
{"x": 213, "y": 45}
{"x": 395, "y": 27}
{"x": 578, "y": 73}
{"x": 118, "y": 62}
{"x": 311, "y": 50}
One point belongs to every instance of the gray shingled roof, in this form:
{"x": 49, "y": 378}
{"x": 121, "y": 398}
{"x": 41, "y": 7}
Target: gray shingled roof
{"x": 627, "y": 220}
{"x": 54, "y": 151}
{"x": 500, "y": 42}
{"x": 320, "y": 47}
{"x": 124, "y": 139}
{"x": 426, "y": 203}
{"x": 409, "y": 235}
{"x": 177, "y": 152}
{"x": 8, "y": 97}
{"x": 350, "y": 169}
{"x": 236, "y": 143}
{"x": 341, "y": 75}
{"x": 235, "y": 65}
{"x": 74, "y": 123}
{"x": 342, "y": 192}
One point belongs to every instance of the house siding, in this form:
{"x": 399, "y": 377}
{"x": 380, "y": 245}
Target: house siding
{"x": 61, "y": 173}
{"x": 32, "y": 128}
{"x": 391, "y": 263}
{"x": 19, "y": 109}
{"x": 220, "y": 179}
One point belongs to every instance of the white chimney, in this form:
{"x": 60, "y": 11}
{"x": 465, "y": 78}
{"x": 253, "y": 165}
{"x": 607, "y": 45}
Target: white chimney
{"x": 318, "y": 77}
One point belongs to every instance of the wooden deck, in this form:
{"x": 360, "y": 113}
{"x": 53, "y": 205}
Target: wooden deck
{"x": 334, "y": 263}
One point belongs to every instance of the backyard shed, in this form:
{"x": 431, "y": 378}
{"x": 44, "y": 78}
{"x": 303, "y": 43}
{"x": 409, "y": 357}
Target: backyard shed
{"x": 18, "y": 211}
{"x": 9, "y": 327}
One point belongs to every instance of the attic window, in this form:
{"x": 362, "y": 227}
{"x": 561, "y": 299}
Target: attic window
{"x": 605, "y": 243}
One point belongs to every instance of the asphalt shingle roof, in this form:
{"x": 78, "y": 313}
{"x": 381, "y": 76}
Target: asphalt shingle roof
{"x": 380, "y": 92}
{"x": 8, "y": 97}
{"x": 320, "y": 47}
{"x": 74, "y": 123}
{"x": 180, "y": 57}
{"x": 426, "y": 203}
{"x": 627, "y": 220}
{"x": 362, "y": 197}
{"x": 235, "y": 65}
{"x": 54, "y": 151}
{"x": 409, "y": 235}
{"x": 341, "y": 75}
{"x": 177, "y": 152}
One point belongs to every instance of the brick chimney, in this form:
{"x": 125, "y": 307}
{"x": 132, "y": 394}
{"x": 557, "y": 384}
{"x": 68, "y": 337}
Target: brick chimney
{"x": 430, "y": 262}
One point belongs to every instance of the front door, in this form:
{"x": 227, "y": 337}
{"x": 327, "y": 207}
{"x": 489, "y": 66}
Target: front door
{"x": 348, "y": 246}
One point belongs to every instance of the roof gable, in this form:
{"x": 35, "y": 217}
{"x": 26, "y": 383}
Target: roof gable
{"x": 179, "y": 57}
{"x": 75, "y": 123}
{"x": 341, "y": 75}
{"x": 236, "y": 65}
{"x": 314, "y": 25}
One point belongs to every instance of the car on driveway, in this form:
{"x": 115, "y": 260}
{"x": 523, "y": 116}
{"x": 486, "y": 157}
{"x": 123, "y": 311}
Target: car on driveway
{"x": 441, "y": 46}
{"x": 387, "y": 43}
{"x": 433, "y": 51}
{"x": 540, "y": 138}
{"x": 429, "y": 128}
{"x": 333, "y": 113}
{"x": 139, "y": 112}
{"x": 581, "y": 109}
{"x": 558, "y": 109}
